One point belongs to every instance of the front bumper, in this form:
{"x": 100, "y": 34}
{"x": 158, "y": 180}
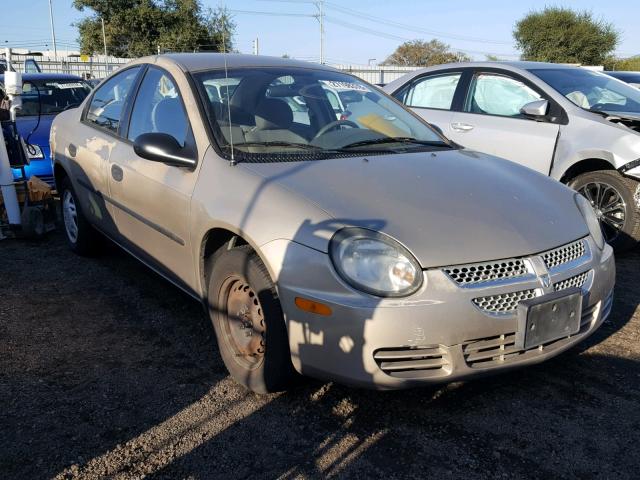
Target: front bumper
{"x": 436, "y": 335}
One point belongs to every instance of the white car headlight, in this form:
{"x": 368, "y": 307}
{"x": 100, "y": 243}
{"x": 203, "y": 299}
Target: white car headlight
{"x": 591, "y": 219}
{"x": 375, "y": 263}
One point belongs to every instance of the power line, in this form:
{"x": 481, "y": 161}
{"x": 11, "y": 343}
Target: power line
{"x": 404, "y": 26}
{"x": 404, "y": 39}
{"x": 274, "y": 14}
{"x": 321, "y": 16}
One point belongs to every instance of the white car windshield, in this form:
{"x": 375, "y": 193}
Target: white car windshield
{"x": 592, "y": 90}
{"x": 279, "y": 114}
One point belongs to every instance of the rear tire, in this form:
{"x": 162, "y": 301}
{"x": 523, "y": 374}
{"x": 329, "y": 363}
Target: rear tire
{"x": 615, "y": 199}
{"x": 81, "y": 237}
{"x": 246, "y": 315}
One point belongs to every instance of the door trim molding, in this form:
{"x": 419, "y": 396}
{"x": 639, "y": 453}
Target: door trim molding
{"x": 137, "y": 216}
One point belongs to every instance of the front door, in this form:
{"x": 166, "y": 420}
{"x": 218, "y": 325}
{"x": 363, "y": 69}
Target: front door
{"x": 152, "y": 198}
{"x": 491, "y": 122}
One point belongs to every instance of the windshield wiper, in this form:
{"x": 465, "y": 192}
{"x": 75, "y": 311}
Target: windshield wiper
{"x": 379, "y": 141}
{"x": 304, "y": 146}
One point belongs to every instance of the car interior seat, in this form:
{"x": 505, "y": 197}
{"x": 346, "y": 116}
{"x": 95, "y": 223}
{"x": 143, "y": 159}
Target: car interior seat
{"x": 273, "y": 122}
{"x": 164, "y": 117}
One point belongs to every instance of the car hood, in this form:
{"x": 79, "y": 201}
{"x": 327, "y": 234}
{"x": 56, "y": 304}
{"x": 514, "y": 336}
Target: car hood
{"x": 40, "y": 136}
{"x": 446, "y": 207}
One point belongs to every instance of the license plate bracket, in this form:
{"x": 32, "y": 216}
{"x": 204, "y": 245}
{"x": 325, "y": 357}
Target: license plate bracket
{"x": 548, "y": 318}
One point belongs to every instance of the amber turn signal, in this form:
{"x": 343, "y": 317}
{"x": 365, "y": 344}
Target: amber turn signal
{"x": 313, "y": 307}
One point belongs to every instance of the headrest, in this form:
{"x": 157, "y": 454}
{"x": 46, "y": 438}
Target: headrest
{"x": 273, "y": 114}
{"x": 164, "y": 118}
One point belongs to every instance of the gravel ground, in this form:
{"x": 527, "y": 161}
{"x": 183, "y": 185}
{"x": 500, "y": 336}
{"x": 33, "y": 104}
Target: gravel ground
{"x": 106, "y": 370}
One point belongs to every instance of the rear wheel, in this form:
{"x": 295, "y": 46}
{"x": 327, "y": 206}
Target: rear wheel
{"x": 615, "y": 199}
{"x": 248, "y": 321}
{"x": 81, "y": 237}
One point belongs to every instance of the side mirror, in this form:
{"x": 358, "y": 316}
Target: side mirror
{"x": 536, "y": 109}
{"x": 161, "y": 147}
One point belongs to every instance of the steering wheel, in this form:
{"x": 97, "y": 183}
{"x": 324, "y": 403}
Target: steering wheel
{"x": 335, "y": 124}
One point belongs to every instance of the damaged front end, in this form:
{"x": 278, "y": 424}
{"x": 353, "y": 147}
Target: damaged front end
{"x": 630, "y": 122}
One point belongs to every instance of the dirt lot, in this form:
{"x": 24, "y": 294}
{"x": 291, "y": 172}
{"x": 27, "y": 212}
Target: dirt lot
{"x": 106, "y": 370}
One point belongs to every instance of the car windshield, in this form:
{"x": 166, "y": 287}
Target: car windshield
{"x": 274, "y": 114}
{"x": 592, "y": 90}
{"x": 52, "y": 96}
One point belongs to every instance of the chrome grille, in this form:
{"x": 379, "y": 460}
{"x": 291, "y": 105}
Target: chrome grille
{"x": 406, "y": 362}
{"x": 576, "y": 281}
{"x": 503, "y": 303}
{"x": 486, "y": 272}
{"x": 564, "y": 254}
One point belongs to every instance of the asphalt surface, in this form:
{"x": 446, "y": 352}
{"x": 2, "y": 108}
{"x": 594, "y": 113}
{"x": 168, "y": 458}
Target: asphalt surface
{"x": 108, "y": 371}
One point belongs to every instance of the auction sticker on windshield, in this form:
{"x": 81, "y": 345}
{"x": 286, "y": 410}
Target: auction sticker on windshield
{"x": 63, "y": 86}
{"x": 345, "y": 85}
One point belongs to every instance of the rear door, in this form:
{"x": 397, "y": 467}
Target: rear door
{"x": 432, "y": 96}
{"x": 152, "y": 199}
{"x": 490, "y": 120}
{"x": 91, "y": 143}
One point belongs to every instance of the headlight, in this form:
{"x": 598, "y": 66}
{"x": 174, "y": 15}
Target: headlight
{"x": 34, "y": 151}
{"x": 375, "y": 263}
{"x": 592, "y": 220}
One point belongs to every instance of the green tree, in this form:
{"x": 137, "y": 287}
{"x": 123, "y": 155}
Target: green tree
{"x": 562, "y": 35}
{"x": 221, "y": 28}
{"x": 135, "y": 28}
{"x": 623, "y": 64}
{"x": 423, "y": 54}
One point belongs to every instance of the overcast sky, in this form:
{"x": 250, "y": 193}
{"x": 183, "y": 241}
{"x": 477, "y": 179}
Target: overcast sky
{"x": 367, "y": 29}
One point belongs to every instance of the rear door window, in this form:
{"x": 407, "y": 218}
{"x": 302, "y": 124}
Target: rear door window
{"x": 107, "y": 104}
{"x": 433, "y": 91}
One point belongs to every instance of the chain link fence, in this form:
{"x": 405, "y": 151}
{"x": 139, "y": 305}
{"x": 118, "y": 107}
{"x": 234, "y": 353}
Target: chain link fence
{"x": 378, "y": 74}
{"x": 100, "y": 67}
{"x": 86, "y": 67}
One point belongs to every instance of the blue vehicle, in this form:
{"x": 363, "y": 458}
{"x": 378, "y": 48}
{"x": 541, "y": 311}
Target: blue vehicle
{"x": 45, "y": 95}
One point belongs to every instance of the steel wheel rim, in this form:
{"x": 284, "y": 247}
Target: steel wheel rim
{"x": 243, "y": 324}
{"x": 609, "y": 206}
{"x": 70, "y": 216}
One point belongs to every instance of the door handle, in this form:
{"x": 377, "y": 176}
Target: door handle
{"x": 461, "y": 127}
{"x": 116, "y": 173}
{"x": 72, "y": 150}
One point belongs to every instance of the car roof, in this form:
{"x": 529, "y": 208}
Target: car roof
{"x": 46, "y": 76}
{"x": 193, "y": 62}
{"x": 524, "y": 65}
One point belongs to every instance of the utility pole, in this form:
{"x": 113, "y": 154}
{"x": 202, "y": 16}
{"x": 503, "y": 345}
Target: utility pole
{"x": 320, "y": 6}
{"x": 53, "y": 33}
{"x": 104, "y": 41}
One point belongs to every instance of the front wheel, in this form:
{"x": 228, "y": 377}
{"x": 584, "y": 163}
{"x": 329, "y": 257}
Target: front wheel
{"x": 248, "y": 321}
{"x": 615, "y": 199}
